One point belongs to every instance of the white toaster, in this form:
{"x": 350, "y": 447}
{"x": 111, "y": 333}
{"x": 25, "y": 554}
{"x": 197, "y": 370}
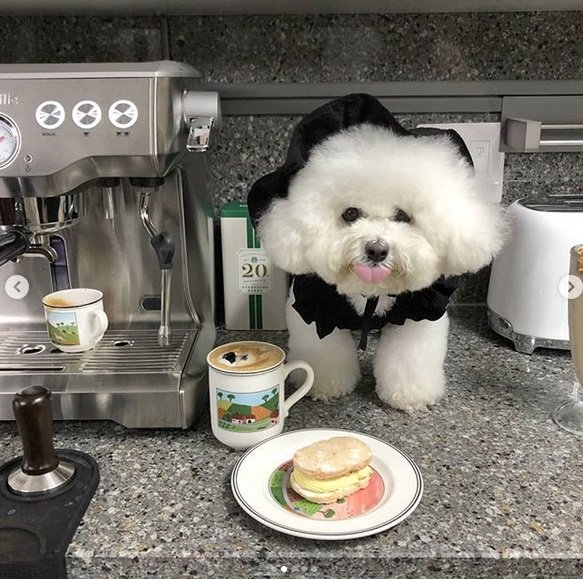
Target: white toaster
{"x": 529, "y": 285}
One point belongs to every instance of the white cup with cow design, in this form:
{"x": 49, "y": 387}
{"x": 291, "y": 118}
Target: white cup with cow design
{"x": 246, "y": 389}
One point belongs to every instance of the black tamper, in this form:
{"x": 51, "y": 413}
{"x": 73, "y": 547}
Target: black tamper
{"x": 43, "y": 495}
{"x": 41, "y": 470}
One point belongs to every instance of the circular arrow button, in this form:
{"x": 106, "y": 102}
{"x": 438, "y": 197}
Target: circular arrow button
{"x": 570, "y": 287}
{"x": 16, "y": 287}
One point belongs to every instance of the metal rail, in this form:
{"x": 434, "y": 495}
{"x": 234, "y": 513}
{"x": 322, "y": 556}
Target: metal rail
{"x": 400, "y": 97}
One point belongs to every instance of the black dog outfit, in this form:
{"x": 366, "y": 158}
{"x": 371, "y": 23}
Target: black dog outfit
{"x": 315, "y": 300}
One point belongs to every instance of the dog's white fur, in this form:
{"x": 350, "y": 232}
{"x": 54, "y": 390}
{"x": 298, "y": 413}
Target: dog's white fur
{"x": 453, "y": 230}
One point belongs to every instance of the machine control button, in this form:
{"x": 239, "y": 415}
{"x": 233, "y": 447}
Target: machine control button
{"x": 50, "y": 115}
{"x": 16, "y": 287}
{"x": 123, "y": 114}
{"x": 86, "y": 114}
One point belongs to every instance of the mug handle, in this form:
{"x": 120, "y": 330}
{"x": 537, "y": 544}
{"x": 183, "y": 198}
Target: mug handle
{"x": 303, "y": 389}
{"x": 102, "y": 320}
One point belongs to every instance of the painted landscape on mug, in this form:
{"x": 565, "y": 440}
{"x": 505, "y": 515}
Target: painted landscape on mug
{"x": 248, "y": 412}
{"x": 63, "y": 330}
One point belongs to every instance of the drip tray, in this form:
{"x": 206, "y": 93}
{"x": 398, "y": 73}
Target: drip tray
{"x": 119, "y": 351}
{"x": 127, "y": 377}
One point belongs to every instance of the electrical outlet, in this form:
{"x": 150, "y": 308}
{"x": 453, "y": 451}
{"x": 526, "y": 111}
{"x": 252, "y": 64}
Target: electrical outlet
{"x": 483, "y": 142}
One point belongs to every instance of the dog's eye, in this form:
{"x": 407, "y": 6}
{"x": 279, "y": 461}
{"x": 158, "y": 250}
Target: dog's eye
{"x": 351, "y": 214}
{"x": 400, "y": 215}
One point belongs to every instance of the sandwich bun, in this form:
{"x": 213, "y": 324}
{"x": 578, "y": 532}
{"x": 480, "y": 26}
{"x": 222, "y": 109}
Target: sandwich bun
{"x": 332, "y": 458}
{"x": 331, "y": 469}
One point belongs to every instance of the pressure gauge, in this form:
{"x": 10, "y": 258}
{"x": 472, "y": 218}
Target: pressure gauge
{"x": 9, "y": 141}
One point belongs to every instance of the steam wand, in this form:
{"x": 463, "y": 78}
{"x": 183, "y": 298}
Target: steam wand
{"x": 164, "y": 247}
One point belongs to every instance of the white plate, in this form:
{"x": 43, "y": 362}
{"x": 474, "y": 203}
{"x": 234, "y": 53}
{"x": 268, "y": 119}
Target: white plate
{"x": 397, "y": 489}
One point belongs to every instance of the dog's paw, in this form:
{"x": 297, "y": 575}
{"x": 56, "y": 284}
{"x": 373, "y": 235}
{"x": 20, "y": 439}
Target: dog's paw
{"x": 412, "y": 396}
{"x": 408, "y": 403}
{"x": 330, "y": 381}
{"x": 327, "y": 387}
{"x": 409, "y": 365}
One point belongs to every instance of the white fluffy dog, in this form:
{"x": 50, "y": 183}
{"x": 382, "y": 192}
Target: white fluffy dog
{"x": 374, "y": 222}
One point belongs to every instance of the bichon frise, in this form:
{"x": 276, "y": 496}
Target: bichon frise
{"x": 374, "y": 222}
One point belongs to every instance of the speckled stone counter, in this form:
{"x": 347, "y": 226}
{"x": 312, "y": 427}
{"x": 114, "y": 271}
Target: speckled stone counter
{"x": 503, "y": 485}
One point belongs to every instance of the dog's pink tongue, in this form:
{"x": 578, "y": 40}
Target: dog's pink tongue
{"x": 371, "y": 273}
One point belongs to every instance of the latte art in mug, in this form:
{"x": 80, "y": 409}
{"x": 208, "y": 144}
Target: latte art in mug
{"x": 246, "y": 391}
{"x": 246, "y": 357}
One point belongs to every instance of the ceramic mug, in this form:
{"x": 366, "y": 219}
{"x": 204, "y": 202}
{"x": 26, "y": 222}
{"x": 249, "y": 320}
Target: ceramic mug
{"x": 75, "y": 319}
{"x": 246, "y": 388}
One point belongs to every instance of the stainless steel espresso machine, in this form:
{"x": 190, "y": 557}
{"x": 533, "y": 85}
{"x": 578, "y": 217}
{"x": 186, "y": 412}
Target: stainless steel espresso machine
{"x": 101, "y": 186}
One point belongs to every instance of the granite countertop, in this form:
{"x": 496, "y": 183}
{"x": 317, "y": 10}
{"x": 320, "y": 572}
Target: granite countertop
{"x": 503, "y": 485}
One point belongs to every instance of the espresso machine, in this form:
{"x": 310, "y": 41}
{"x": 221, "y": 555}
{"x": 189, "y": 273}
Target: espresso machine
{"x": 103, "y": 186}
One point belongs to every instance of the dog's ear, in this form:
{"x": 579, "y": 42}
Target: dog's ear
{"x": 476, "y": 232}
{"x": 473, "y": 227}
{"x": 325, "y": 121}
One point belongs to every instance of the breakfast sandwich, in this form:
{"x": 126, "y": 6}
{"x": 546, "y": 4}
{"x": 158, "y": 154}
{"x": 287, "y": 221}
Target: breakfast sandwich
{"x": 331, "y": 469}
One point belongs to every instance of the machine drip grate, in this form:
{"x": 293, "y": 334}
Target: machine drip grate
{"x": 118, "y": 352}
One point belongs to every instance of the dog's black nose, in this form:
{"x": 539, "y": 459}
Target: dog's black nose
{"x": 376, "y": 251}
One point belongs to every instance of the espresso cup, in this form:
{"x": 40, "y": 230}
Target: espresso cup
{"x": 75, "y": 319}
{"x": 246, "y": 387}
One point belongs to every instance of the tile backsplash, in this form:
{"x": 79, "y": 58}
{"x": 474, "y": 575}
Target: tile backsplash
{"x": 329, "y": 48}
{"x": 79, "y": 39}
{"x": 341, "y": 48}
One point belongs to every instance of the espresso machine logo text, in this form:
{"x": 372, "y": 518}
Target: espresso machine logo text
{"x": 7, "y": 98}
